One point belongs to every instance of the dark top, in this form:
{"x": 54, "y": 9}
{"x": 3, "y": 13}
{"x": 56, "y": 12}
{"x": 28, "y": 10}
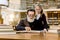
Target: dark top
{"x": 24, "y": 23}
{"x": 41, "y": 23}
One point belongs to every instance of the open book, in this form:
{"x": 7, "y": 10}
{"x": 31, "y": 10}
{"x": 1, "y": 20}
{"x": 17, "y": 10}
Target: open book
{"x": 32, "y": 31}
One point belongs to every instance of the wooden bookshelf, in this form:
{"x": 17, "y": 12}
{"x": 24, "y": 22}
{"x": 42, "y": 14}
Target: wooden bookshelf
{"x": 53, "y": 17}
{"x": 22, "y": 15}
{"x": 45, "y": 3}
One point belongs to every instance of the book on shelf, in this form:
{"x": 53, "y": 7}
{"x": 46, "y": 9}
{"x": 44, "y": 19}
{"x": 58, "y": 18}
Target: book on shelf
{"x": 53, "y": 31}
{"x": 8, "y": 32}
{"x": 6, "y": 29}
{"x": 52, "y": 18}
{"x": 5, "y": 26}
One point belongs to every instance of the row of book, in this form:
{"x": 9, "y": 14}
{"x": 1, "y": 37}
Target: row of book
{"x": 6, "y": 29}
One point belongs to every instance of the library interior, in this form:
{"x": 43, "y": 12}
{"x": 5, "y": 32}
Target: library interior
{"x": 13, "y": 11}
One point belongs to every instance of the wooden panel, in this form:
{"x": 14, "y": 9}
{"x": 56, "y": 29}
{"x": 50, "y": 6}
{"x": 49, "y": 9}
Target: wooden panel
{"x": 29, "y": 36}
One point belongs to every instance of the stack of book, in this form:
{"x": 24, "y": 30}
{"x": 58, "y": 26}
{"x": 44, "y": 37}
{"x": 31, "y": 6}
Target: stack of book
{"x": 54, "y": 29}
{"x": 6, "y": 29}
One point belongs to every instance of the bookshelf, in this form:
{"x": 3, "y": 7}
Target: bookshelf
{"x": 29, "y": 4}
{"x": 22, "y": 15}
{"x": 45, "y": 3}
{"x": 53, "y": 17}
{"x": 25, "y": 4}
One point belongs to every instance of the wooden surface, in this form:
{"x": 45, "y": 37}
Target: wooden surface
{"x": 31, "y": 36}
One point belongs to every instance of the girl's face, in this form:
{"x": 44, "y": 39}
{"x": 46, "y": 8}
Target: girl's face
{"x": 37, "y": 9}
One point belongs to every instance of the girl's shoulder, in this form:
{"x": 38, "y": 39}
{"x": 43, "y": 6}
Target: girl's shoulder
{"x": 43, "y": 15}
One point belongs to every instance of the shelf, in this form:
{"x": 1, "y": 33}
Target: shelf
{"x": 53, "y": 17}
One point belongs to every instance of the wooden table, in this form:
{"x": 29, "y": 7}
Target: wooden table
{"x": 31, "y": 36}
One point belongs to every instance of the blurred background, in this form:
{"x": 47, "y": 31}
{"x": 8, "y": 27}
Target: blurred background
{"x": 12, "y": 11}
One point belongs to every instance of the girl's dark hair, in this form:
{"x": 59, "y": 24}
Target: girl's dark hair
{"x": 31, "y": 10}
